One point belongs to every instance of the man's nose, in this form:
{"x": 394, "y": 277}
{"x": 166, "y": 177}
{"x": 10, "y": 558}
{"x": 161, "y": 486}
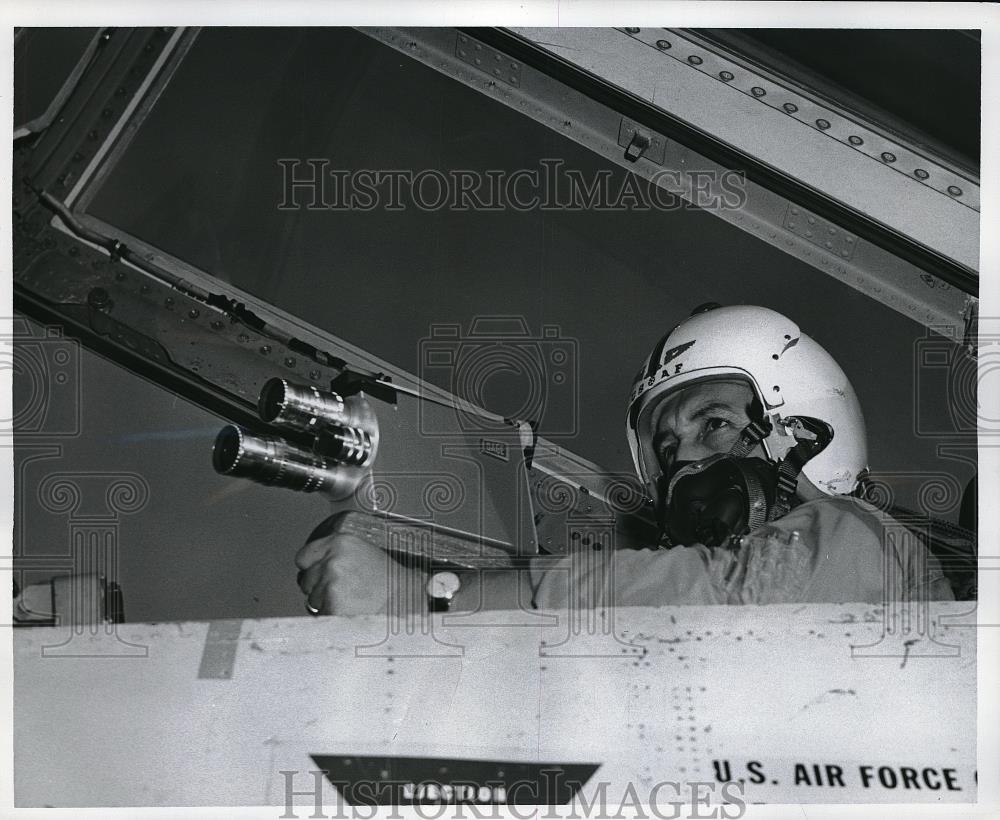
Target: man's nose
{"x": 692, "y": 450}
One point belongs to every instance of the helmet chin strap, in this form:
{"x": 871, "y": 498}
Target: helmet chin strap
{"x": 811, "y": 437}
{"x": 750, "y": 436}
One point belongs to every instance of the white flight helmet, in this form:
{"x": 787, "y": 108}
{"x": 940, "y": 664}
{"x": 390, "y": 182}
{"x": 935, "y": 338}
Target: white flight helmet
{"x": 790, "y": 373}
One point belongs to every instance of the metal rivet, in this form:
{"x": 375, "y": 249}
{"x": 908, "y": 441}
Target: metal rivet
{"x": 216, "y": 325}
{"x": 822, "y": 125}
{"x": 888, "y": 156}
{"x": 314, "y": 374}
{"x": 289, "y": 362}
{"x": 757, "y": 91}
{"x": 855, "y": 140}
{"x": 726, "y": 75}
{"x": 776, "y": 389}
{"x": 265, "y": 349}
{"x": 193, "y": 313}
{"x": 632, "y": 30}
{"x": 791, "y": 108}
{"x": 98, "y": 298}
{"x": 694, "y": 59}
{"x": 143, "y": 288}
{"x": 954, "y": 190}
{"x": 920, "y": 173}
{"x": 169, "y": 301}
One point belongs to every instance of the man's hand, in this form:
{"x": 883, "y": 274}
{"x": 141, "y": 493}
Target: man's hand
{"x": 342, "y": 574}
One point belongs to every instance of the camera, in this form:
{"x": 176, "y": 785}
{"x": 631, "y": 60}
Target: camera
{"x": 46, "y": 380}
{"x": 499, "y": 366}
{"x": 946, "y": 373}
{"x": 336, "y": 441}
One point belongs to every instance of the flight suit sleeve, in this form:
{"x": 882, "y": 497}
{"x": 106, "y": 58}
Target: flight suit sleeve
{"x": 826, "y": 551}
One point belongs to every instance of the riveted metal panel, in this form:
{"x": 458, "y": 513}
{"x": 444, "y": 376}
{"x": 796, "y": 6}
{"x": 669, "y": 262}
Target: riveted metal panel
{"x": 921, "y": 292}
{"x": 813, "y": 112}
{"x": 829, "y": 163}
{"x": 652, "y": 693}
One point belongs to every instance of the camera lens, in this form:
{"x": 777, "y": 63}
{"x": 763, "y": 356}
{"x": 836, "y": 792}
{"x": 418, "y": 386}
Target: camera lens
{"x": 273, "y": 461}
{"x": 300, "y": 407}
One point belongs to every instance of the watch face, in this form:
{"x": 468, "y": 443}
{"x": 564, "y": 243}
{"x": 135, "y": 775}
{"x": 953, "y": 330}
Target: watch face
{"x": 443, "y": 585}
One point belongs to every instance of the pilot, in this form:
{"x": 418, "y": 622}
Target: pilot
{"x": 750, "y": 443}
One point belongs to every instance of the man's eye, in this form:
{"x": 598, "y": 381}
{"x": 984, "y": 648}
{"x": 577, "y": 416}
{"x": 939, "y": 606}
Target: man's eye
{"x": 715, "y": 424}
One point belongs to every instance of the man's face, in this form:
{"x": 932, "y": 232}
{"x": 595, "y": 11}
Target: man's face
{"x": 699, "y": 421}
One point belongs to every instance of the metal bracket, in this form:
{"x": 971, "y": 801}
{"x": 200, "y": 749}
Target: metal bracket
{"x": 641, "y": 142}
{"x": 970, "y": 335}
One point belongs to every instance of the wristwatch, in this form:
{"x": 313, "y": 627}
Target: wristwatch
{"x": 441, "y": 589}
